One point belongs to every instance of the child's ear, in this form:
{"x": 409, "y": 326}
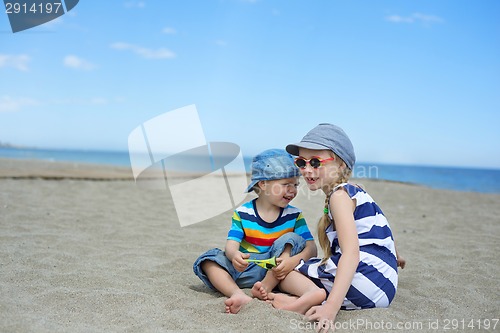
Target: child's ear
{"x": 261, "y": 184}
{"x": 342, "y": 165}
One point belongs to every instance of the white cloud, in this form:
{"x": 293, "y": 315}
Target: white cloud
{"x": 75, "y": 62}
{"x": 135, "y": 4}
{"x": 428, "y": 18}
{"x": 220, "y": 42}
{"x": 99, "y": 101}
{"x": 9, "y": 104}
{"x": 415, "y": 18}
{"x": 93, "y": 101}
{"x": 161, "y": 53}
{"x": 399, "y": 19}
{"x": 169, "y": 31}
{"x": 19, "y": 62}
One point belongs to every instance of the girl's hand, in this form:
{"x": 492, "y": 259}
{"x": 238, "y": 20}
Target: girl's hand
{"x": 325, "y": 316}
{"x": 401, "y": 262}
{"x": 239, "y": 262}
{"x": 285, "y": 266}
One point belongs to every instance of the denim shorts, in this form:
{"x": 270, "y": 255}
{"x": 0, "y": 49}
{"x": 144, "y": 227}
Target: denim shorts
{"x": 253, "y": 272}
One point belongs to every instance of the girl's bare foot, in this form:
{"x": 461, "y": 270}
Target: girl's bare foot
{"x": 280, "y": 301}
{"x": 298, "y": 304}
{"x": 236, "y": 302}
{"x": 259, "y": 291}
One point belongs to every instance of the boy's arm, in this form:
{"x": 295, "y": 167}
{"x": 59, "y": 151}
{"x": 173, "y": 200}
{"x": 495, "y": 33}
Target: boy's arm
{"x": 233, "y": 253}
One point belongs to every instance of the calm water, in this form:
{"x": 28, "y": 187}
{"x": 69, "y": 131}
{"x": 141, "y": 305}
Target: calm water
{"x": 460, "y": 179}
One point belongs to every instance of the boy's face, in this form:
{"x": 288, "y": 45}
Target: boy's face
{"x": 279, "y": 192}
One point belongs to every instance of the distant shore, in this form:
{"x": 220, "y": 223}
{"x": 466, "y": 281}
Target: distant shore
{"x": 73, "y": 163}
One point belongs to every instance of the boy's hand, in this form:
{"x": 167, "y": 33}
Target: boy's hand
{"x": 239, "y": 262}
{"x": 285, "y": 266}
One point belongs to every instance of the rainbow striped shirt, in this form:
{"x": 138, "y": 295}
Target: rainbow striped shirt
{"x": 256, "y": 235}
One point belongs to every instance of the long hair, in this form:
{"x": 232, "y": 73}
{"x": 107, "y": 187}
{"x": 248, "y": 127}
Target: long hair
{"x": 325, "y": 220}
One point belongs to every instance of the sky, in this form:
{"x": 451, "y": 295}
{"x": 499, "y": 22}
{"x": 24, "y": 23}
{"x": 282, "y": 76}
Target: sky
{"x": 410, "y": 81}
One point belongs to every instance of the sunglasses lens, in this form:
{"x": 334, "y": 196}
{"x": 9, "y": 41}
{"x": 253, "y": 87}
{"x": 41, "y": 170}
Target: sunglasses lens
{"x": 300, "y": 162}
{"x": 315, "y": 163}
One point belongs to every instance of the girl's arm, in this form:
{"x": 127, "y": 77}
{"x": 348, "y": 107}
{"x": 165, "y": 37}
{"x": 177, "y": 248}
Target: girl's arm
{"x": 349, "y": 260}
{"x": 233, "y": 253}
{"x": 310, "y": 250}
{"x": 287, "y": 263}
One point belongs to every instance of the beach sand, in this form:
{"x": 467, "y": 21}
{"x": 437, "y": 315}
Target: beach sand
{"x": 84, "y": 249}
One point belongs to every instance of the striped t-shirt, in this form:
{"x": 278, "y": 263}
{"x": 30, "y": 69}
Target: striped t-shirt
{"x": 256, "y": 235}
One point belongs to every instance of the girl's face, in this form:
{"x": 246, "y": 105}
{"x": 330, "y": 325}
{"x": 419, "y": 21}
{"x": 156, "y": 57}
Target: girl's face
{"x": 326, "y": 174}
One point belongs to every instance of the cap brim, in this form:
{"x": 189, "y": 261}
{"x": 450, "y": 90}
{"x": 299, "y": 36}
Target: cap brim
{"x": 250, "y": 187}
{"x": 294, "y": 148}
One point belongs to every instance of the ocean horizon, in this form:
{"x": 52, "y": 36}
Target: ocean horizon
{"x": 467, "y": 179}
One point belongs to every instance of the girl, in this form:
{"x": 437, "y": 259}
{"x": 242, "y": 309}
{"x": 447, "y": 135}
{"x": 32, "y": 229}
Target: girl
{"x": 359, "y": 266}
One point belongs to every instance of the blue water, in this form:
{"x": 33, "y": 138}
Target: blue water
{"x": 451, "y": 178}
{"x": 116, "y": 158}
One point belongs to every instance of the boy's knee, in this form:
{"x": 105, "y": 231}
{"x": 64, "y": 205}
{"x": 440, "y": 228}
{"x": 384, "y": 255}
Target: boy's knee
{"x": 290, "y": 236}
{"x": 292, "y": 241}
{"x": 204, "y": 263}
{"x": 207, "y": 265}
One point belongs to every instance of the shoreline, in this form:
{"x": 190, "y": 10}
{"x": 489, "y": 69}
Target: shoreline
{"x": 13, "y": 168}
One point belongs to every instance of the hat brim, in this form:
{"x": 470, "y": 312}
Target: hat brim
{"x": 250, "y": 187}
{"x": 294, "y": 148}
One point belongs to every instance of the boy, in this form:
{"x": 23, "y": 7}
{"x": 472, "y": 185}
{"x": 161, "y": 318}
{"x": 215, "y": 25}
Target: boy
{"x": 261, "y": 228}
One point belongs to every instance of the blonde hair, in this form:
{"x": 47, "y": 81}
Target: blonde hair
{"x": 325, "y": 220}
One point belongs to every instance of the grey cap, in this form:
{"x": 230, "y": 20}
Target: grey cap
{"x": 272, "y": 164}
{"x": 327, "y": 136}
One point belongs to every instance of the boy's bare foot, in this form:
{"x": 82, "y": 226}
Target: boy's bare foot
{"x": 259, "y": 291}
{"x": 297, "y": 304}
{"x": 236, "y": 302}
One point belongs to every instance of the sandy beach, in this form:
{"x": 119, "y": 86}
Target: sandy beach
{"x": 84, "y": 249}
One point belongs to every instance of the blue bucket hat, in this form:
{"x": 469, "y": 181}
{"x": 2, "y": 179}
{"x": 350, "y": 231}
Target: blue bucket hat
{"x": 330, "y": 137}
{"x": 272, "y": 164}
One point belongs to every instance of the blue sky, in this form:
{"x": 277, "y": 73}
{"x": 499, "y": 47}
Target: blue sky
{"x": 411, "y": 82}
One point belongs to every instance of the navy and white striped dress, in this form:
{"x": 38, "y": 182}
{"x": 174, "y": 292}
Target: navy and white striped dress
{"x": 376, "y": 278}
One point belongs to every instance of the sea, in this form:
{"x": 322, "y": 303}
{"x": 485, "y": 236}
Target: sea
{"x": 439, "y": 177}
